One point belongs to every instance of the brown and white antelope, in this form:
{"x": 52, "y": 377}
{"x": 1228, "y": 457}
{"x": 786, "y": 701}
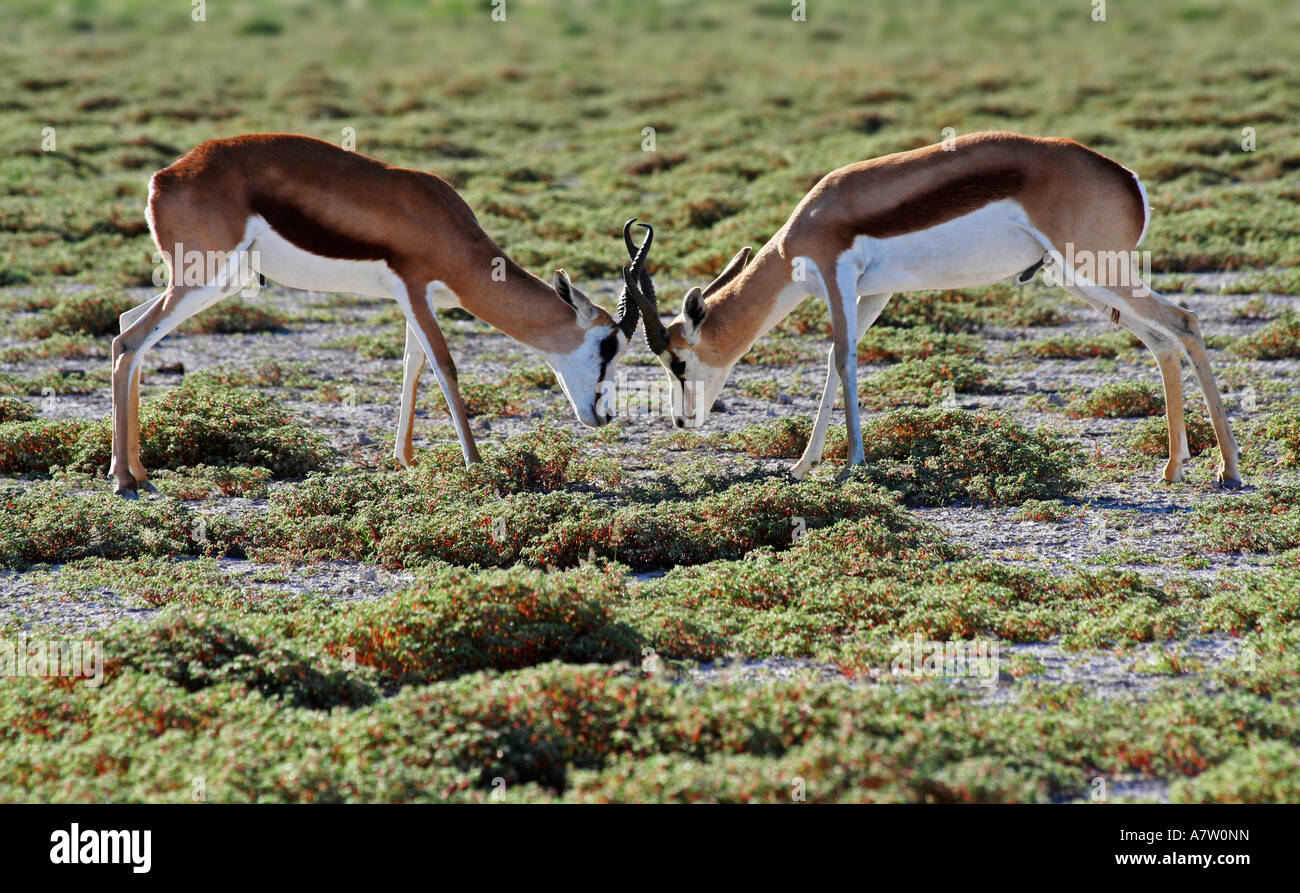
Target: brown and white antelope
{"x": 307, "y": 214}
{"x": 984, "y": 208}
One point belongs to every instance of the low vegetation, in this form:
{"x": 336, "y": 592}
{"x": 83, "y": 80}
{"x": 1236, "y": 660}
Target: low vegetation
{"x": 1277, "y": 340}
{"x": 637, "y": 613}
{"x": 194, "y": 424}
{"x": 1119, "y": 400}
{"x": 924, "y": 382}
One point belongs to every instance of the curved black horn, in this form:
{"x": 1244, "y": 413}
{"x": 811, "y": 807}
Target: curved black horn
{"x": 627, "y": 239}
{"x": 628, "y": 313}
{"x": 656, "y": 338}
{"x": 640, "y": 287}
{"x": 640, "y": 255}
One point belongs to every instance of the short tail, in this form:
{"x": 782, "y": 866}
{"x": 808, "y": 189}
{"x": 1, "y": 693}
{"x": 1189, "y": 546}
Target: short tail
{"x": 1146, "y": 205}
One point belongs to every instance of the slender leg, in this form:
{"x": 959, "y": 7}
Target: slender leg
{"x": 1180, "y": 327}
{"x": 869, "y": 308}
{"x": 412, "y": 365}
{"x": 844, "y": 329}
{"x": 421, "y": 319}
{"x": 1170, "y": 364}
{"x": 133, "y": 403}
{"x": 1184, "y": 327}
{"x": 162, "y": 316}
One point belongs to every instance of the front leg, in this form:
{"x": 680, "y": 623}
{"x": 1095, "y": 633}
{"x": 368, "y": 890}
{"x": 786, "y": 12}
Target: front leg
{"x": 843, "y": 292}
{"x": 869, "y": 308}
{"x": 812, "y": 453}
{"x": 412, "y": 366}
{"x": 420, "y": 318}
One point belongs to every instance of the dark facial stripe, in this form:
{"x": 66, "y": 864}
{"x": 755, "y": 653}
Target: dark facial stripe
{"x": 608, "y": 350}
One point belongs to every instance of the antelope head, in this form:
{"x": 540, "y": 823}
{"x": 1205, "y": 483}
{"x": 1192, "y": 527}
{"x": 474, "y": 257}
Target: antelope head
{"x": 583, "y": 373}
{"x": 697, "y": 367}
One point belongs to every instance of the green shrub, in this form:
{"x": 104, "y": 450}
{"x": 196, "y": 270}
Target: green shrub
{"x": 1119, "y": 400}
{"x": 1278, "y": 340}
{"x": 371, "y": 347}
{"x": 1263, "y": 772}
{"x": 728, "y": 524}
{"x": 541, "y": 460}
{"x": 36, "y": 446}
{"x": 58, "y": 345}
{"x": 41, "y": 524}
{"x": 489, "y": 399}
{"x": 200, "y": 651}
{"x": 883, "y": 344}
{"x": 13, "y": 409}
{"x": 1044, "y": 510}
{"x": 204, "y": 481}
{"x": 1074, "y": 347}
{"x": 463, "y": 519}
{"x": 93, "y": 312}
{"x": 936, "y": 456}
{"x": 1151, "y": 435}
{"x": 1267, "y": 520}
{"x": 235, "y": 316}
{"x": 1274, "y": 282}
{"x": 53, "y": 381}
{"x": 532, "y": 377}
{"x": 194, "y": 424}
{"x": 923, "y": 382}
{"x": 1020, "y": 308}
{"x": 784, "y": 438}
{"x": 260, "y": 374}
{"x": 453, "y": 622}
{"x": 947, "y": 311}
{"x": 1283, "y": 425}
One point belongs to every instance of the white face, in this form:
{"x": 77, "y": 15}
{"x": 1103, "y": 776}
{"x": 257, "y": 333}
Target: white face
{"x": 583, "y": 373}
{"x": 695, "y": 384}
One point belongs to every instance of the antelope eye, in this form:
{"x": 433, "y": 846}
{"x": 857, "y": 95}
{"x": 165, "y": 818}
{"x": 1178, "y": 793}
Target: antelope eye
{"x": 678, "y": 367}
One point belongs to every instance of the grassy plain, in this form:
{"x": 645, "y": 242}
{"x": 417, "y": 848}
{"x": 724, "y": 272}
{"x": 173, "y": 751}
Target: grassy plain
{"x": 638, "y": 613}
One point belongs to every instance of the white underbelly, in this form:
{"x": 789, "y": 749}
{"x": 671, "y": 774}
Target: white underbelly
{"x": 986, "y": 246}
{"x": 279, "y": 260}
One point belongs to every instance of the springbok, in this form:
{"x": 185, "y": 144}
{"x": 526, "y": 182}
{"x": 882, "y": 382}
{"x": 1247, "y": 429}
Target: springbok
{"x": 310, "y": 215}
{"x": 980, "y": 209}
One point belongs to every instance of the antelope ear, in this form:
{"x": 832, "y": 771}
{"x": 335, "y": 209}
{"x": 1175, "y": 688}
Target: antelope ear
{"x": 694, "y": 311}
{"x": 583, "y": 309}
{"x": 730, "y": 272}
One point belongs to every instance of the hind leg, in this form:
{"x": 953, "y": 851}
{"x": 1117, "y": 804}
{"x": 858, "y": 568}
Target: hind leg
{"x": 1175, "y": 326}
{"x": 168, "y": 311}
{"x": 1169, "y": 362}
{"x": 1185, "y": 329}
{"x": 133, "y": 403}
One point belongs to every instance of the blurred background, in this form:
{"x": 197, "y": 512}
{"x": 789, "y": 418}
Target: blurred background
{"x": 545, "y": 120}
